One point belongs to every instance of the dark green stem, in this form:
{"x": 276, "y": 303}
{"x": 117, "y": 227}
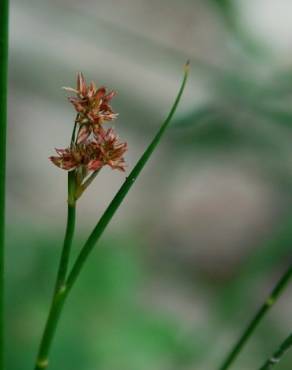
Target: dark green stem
{"x": 277, "y": 356}
{"x": 270, "y": 301}
{"x": 60, "y": 288}
{"x": 4, "y": 5}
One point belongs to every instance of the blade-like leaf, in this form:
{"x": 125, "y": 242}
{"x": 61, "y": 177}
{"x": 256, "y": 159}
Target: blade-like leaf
{"x": 119, "y": 197}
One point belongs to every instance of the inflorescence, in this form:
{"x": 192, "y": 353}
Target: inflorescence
{"x": 92, "y": 147}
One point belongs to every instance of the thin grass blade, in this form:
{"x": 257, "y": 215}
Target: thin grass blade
{"x": 117, "y": 200}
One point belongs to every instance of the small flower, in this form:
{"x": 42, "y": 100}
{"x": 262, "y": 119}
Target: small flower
{"x": 65, "y": 159}
{"x": 92, "y": 105}
{"x": 85, "y": 155}
{"x": 111, "y": 149}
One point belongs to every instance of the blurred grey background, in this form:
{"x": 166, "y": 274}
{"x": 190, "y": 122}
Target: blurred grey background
{"x": 206, "y": 230}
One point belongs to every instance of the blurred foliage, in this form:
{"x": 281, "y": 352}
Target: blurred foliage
{"x": 227, "y": 11}
{"x": 105, "y": 322}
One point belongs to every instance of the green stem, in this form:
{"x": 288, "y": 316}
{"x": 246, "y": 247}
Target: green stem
{"x": 58, "y": 301}
{"x": 60, "y": 288}
{"x": 270, "y": 301}
{"x": 4, "y": 6}
{"x": 71, "y": 215}
{"x": 61, "y": 293}
{"x": 277, "y": 356}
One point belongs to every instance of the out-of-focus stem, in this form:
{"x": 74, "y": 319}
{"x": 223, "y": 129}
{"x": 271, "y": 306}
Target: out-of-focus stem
{"x": 277, "y": 356}
{"x": 4, "y": 5}
{"x": 266, "y": 306}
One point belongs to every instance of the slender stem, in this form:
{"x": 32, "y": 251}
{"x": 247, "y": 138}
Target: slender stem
{"x": 270, "y": 301}
{"x": 62, "y": 291}
{"x": 277, "y": 356}
{"x": 60, "y": 288}
{"x": 4, "y": 6}
{"x": 71, "y": 215}
{"x": 123, "y": 191}
{"x": 58, "y": 301}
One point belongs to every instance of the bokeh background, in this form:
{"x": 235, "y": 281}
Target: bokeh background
{"x": 206, "y": 230}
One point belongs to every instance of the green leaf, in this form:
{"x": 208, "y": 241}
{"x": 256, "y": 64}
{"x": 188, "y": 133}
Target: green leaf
{"x": 121, "y": 194}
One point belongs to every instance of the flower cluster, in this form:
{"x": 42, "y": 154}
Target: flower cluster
{"x": 103, "y": 149}
{"x": 92, "y": 106}
{"x": 92, "y": 146}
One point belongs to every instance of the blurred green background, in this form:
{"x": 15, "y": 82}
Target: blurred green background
{"x": 207, "y": 229}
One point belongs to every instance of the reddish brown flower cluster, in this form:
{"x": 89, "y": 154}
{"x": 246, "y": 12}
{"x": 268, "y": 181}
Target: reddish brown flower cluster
{"x": 103, "y": 149}
{"x": 92, "y": 147}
